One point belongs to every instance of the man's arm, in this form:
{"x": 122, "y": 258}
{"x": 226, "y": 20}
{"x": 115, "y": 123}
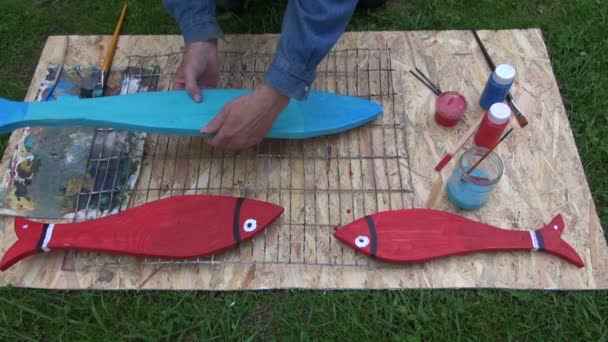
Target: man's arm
{"x": 196, "y": 19}
{"x": 200, "y": 30}
{"x": 310, "y": 29}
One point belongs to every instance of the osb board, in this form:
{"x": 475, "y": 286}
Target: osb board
{"x": 328, "y": 182}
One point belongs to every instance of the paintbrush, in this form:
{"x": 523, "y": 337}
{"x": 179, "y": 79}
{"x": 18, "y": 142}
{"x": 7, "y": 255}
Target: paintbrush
{"x": 437, "y": 183}
{"x": 488, "y": 153}
{"x": 427, "y": 82}
{"x": 519, "y": 115}
{"x": 446, "y": 158}
{"x": 107, "y": 63}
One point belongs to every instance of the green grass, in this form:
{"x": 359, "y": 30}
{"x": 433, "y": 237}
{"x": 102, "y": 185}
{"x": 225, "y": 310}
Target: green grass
{"x": 575, "y": 33}
{"x": 290, "y": 315}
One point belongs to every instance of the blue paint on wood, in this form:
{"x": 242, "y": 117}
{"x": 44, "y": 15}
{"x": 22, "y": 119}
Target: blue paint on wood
{"x": 11, "y": 113}
{"x": 175, "y": 113}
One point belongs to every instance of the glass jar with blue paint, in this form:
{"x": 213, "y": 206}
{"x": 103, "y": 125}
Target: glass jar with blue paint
{"x": 472, "y": 191}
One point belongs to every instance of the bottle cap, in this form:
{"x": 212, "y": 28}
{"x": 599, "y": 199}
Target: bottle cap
{"x": 499, "y": 113}
{"x": 504, "y": 74}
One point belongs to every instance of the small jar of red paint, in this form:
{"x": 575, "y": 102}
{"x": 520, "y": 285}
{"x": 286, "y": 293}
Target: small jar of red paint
{"x": 450, "y": 108}
{"x": 492, "y": 125}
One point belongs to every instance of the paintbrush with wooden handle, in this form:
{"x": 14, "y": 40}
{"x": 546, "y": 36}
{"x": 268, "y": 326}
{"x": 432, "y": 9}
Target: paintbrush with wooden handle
{"x": 448, "y": 156}
{"x": 107, "y": 63}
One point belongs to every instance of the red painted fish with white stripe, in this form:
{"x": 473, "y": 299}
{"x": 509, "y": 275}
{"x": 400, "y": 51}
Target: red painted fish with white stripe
{"x": 187, "y": 226}
{"x": 418, "y": 235}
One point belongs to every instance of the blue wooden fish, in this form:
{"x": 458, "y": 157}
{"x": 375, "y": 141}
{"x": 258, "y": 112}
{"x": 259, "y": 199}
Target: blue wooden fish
{"x": 174, "y": 112}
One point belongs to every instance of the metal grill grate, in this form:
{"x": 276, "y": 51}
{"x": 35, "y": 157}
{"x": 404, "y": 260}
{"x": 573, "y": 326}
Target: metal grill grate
{"x": 106, "y": 183}
{"x": 322, "y": 182}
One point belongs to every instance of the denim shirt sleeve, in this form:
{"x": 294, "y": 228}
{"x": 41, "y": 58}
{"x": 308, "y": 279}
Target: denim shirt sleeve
{"x": 196, "y": 19}
{"x": 310, "y": 29}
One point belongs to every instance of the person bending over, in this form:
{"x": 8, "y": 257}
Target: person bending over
{"x": 310, "y": 28}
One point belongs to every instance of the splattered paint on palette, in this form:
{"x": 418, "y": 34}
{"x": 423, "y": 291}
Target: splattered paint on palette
{"x": 57, "y": 172}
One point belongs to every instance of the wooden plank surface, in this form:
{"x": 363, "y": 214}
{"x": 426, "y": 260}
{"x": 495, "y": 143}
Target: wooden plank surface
{"x": 327, "y": 182}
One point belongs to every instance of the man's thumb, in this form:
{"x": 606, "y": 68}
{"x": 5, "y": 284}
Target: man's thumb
{"x": 192, "y": 87}
{"x": 214, "y": 125}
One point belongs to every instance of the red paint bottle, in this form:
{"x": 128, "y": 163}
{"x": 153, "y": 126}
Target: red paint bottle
{"x": 492, "y": 125}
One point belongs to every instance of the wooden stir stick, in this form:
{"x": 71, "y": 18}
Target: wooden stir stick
{"x": 437, "y": 183}
{"x": 463, "y": 140}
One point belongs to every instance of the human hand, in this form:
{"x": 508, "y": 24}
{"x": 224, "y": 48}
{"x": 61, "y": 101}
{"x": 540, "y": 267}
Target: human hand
{"x": 199, "y": 69}
{"x": 244, "y": 121}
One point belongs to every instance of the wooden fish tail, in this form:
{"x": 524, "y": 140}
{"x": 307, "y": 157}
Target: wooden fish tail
{"x": 549, "y": 240}
{"x": 32, "y": 239}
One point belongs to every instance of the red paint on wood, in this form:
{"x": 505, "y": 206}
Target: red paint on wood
{"x": 418, "y": 235}
{"x": 187, "y": 226}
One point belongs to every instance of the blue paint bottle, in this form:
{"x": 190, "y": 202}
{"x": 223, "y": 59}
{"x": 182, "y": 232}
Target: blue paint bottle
{"x": 470, "y": 192}
{"x": 499, "y": 84}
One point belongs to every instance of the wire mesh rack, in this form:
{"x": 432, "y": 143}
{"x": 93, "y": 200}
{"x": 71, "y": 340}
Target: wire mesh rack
{"x": 322, "y": 183}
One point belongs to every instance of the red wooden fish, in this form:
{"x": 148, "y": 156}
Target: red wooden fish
{"x": 417, "y": 235}
{"x": 185, "y": 226}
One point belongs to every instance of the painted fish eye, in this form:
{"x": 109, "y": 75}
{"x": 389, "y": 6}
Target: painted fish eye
{"x": 362, "y": 241}
{"x": 250, "y": 225}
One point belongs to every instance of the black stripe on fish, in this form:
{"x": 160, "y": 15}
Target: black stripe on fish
{"x": 237, "y": 219}
{"x": 42, "y": 236}
{"x": 372, "y": 235}
{"x": 540, "y": 240}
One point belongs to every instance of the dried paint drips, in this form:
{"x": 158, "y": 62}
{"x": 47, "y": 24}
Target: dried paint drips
{"x": 29, "y": 142}
{"x": 48, "y": 169}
